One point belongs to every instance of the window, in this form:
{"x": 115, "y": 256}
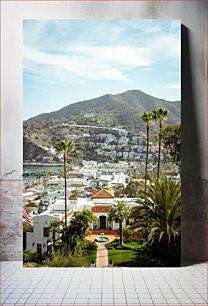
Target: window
{"x": 46, "y": 232}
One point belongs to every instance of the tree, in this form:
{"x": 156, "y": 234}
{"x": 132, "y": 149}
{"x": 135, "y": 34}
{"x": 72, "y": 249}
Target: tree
{"x": 158, "y": 214}
{"x": 55, "y": 227}
{"x": 119, "y": 191}
{"x": 148, "y": 119}
{"x": 27, "y": 227}
{"x": 121, "y": 212}
{"x": 128, "y": 232}
{"x": 160, "y": 114}
{"x": 171, "y": 135}
{"x": 78, "y": 228}
{"x": 134, "y": 187}
{"x": 66, "y": 147}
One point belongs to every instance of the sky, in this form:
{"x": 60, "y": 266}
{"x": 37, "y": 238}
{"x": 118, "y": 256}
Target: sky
{"x": 66, "y": 61}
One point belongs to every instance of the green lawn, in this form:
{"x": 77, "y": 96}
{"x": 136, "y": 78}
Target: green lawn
{"x": 132, "y": 254}
{"x": 125, "y": 258}
{"x": 89, "y": 256}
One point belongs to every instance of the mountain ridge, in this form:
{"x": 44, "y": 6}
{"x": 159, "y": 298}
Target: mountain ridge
{"x": 129, "y": 99}
{"x": 122, "y": 110}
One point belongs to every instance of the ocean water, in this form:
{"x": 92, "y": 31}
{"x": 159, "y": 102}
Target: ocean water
{"x": 34, "y": 172}
{"x": 42, "y": 169}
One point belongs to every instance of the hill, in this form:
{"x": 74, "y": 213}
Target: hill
{"x": 120, "y": 110}
{"x": 123, "y": 108}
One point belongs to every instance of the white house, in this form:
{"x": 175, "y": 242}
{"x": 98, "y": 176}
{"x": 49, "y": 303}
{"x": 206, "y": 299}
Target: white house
{"x": 119, "y": 179}
{"x": 100, "y": 204}
{"x": 30, "y": 194}
{"x": 38, "y": 240}
{"x": 103, "y": 200}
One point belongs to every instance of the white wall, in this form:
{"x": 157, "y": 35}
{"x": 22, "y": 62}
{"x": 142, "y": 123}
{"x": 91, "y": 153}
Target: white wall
{"x": 39, "y": 222}
{"x": 103, "y": 201}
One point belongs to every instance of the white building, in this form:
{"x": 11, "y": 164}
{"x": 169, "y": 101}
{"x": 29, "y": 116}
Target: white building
{"x": 73, "y": 181}
{"x": 100, "y": 204}
{"x": 37, "y": 241}
{"x": 123, "y": 140}
{"x": 119, "y": 179}
{"x": 119, "y": 154}
{"x": 30, "y": 194}
{"x": 125, "y": 155}
{"x": 88, "y": 115}
{"x": 103, "y": 200}
{"x": 131, "y": 155}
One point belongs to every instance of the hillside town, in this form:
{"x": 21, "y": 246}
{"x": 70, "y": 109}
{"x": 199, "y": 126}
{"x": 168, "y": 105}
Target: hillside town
{"x": 91, "y": 184}
{"x": 101, "y": 143}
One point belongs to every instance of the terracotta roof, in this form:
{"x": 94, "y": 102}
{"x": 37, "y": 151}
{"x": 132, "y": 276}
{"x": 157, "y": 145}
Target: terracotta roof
{"x": 100, "y": 209}
{"x": 94, "y": 191}
{"x": 73, "y": 197}
{"x": 103, "y": 194}
{"x": 68, "y": 214}
{"x": 29, "y": 190}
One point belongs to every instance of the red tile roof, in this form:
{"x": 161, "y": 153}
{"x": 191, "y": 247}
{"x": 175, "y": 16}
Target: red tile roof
{"x": 100, "y": 209}
{"x": 68, "y": 214}
{"x": 73, "y": 197}
{"x": 103, "y": 194}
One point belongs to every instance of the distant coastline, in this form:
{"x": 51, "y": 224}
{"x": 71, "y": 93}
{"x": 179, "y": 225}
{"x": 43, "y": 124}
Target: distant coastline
{"x": 42, "y": 164}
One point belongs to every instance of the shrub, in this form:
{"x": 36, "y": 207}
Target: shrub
{"x": 127, "y": 245}
{"x": 30, "y": 204}
{"x": 89, "y": 245}
{"x": 132, "y": 245}
{"x": 127, "y": 232}
{"x": 113, "y": 245}
{"x": 30, "y": 256}
{"x": 61, "y": 259}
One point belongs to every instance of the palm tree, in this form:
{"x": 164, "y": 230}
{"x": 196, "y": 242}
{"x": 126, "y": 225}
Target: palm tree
{"x": 78, "y": 228}
{"x": 119, "y": 212}
{"x": 160, "y": 114}
{"x": 66, "y": 147}
{"x": 55, "y": 227}
{"x": 158, "y": 215}
{"x": 148, "y": 119}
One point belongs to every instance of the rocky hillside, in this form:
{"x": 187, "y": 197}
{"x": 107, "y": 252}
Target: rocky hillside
{"x": 121, "y": 110}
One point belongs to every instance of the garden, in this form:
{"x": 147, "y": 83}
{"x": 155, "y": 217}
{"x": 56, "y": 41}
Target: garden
{"x": 68, "y": 248}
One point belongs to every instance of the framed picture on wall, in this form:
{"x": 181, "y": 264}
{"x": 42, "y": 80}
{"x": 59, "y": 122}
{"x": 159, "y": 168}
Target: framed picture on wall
{"x": 102, "y": 142}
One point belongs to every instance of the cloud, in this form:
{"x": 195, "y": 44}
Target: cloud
{"x": 169, "y": 46}
{"x": 152, "y": 29}
{"x": 120, "y": 55}
{"x": 86, "y": 51}
{"x": 169, "y": 86}
{"x": 92, "y": 62}
{"x": 113, "y": 73}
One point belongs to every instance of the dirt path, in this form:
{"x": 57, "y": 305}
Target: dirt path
{"x": 102, "y": 256}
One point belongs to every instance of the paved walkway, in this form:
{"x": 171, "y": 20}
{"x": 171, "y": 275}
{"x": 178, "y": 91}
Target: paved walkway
{"x": 102, "y": 252}
{"x": 106, "y": 287}
{"x": 102, "y": 255}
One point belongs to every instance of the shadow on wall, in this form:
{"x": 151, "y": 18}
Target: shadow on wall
{"x": 193, "y": 240}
